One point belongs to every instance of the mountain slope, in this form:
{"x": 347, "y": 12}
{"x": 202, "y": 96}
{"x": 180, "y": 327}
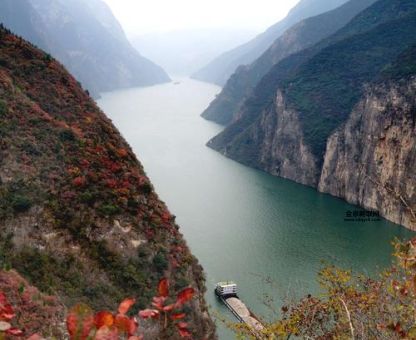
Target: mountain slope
{"x": 284, "y": 127}
{"x": 86, "y": 38}
{"x": 305, "y": 34}
{"x": 193, "y": 48}
{"x": 220, "y": 69}
{"x": 78, "y": 216}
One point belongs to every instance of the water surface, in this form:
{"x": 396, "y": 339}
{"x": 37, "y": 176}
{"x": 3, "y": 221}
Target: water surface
{"x": 242, "y": 224}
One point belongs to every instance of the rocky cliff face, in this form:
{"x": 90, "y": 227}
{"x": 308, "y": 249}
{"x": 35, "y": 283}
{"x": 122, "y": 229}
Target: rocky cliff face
{"x": 371, "y": 161}
{"x": 284, "y": 152}
{"x": 275, "y": 144}
{"x": 286, "y": 126}
{"x": 78, "y": 216}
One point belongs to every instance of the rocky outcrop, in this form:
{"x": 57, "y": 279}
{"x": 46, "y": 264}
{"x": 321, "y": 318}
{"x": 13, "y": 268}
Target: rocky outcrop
{"x": 371, "y": 161}
{"x": 284, "y": 152}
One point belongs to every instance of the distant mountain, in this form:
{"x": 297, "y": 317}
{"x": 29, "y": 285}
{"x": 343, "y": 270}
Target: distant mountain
{"x": 286, "y": 126}
{"x": 79, "y": 218}
{"x": 193, "y": 48}
{"x": 220, "y": 69}
{"x": 85, "y": 36}
{"x": 304, "y": 34}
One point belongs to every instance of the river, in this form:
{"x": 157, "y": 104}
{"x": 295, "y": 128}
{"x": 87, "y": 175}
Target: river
{"x": 268, "y": 234}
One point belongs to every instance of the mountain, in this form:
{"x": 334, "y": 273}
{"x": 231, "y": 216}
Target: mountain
{"x": 193, "y": 48}
{"x": 78, "y": 216}
{"x": 285, "y": 126}
{"x": 86, "y": 38}
{"x": 220, "y": 69}
{"x": 303, "y": 35}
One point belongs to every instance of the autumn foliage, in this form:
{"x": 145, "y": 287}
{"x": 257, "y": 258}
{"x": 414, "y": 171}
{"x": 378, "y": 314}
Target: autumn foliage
{"x": 354, "y": 306}
{"x": 83, "y": 324}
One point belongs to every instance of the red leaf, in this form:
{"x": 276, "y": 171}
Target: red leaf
{"x": 184, "y": 333}
{"x": 80, "y": 321}
{"x": 149, "y": 313}
{"x": 163, "y": 288}
{"x": 168, "y": 308}
{"x": 14, "y": 331}
{"x": 177, "y": 316}
{"x": 133, "y": 326}
{"x": 158, "y": 302}
{"x": 3, "y": 299}
{"x": 182, "y": 324}
{"x": 122, "y": 153}
{"x": 122, "y": 323}
{"x": 185, "y": 295}
{"x": 136, "y": 337}
{"x": 106, "y": 333}
{"x": 103, "y": 318}
{"x": 79, "y": 181}
{"x": 6, "y": 312}
{"x": 125, "y": 305}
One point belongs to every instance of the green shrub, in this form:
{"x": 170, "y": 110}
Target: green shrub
{"x": 160, "y": 262}
{"x": 66, "y": 136}
{"x": 20, "y": 203}
{"x": 109, "y": 209}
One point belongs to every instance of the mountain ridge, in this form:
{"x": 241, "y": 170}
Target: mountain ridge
{"x": 302, "y": 35}
{"x": 284, "y": 128}
{"x": 221, "y": 68}
{"x": 86, "y": 38}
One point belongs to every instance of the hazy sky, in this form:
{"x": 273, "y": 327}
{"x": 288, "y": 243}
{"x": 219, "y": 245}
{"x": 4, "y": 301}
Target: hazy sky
{"x": 145, "y": 16}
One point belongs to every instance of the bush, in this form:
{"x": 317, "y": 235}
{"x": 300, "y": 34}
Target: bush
{"x": 66, "y": 136}
{"x": 21, "y": 203}
{"x": 109, "y": 210}
{"x": 160, "y": 262}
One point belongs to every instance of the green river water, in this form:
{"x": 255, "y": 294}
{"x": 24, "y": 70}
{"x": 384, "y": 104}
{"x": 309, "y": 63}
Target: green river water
{"x": 268, "y": 234}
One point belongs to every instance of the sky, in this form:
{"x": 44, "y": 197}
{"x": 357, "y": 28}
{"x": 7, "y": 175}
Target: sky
{"x": 149, "y": 16}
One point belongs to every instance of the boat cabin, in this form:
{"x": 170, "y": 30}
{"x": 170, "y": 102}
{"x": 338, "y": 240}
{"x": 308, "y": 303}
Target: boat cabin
{"x": 226, "y": 289}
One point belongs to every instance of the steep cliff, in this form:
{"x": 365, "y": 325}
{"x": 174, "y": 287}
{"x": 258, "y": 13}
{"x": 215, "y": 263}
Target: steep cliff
{"x": 371, "y": 161}
{"x": 284, "y": 127}
{"x": 221, "y": 68}
{"x": 78, "y": 216}
{"x": 86, "y": 38}
{"x": 304, "y": 34}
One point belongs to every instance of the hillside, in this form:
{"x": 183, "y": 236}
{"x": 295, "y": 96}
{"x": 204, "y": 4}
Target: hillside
{"x": 303, "y": 35}
{"x": 78, "y": 216}
{"x": 284, "y": 127}
{"x": 221, "y": 68}
{"x": 86, "y": 38}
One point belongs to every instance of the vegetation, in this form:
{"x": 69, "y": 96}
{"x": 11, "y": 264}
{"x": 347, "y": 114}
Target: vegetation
{"x": 323, "y": 82}
{"x": 83, "y": 324}
{"x": 300, "y": 36}
{"x": 354, "y": 306}
{"x": 326, "y": 88}
{"x": 78, "y": 216}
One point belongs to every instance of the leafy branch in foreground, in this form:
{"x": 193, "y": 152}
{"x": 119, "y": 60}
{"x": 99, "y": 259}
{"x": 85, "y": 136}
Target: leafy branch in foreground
{"x": 83, "y": 324}
{"x": 353, "y": 306}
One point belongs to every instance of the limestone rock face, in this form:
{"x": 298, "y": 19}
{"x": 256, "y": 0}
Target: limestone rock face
{"x": 371, "y": 160}
{"x": 284, "y": 152}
